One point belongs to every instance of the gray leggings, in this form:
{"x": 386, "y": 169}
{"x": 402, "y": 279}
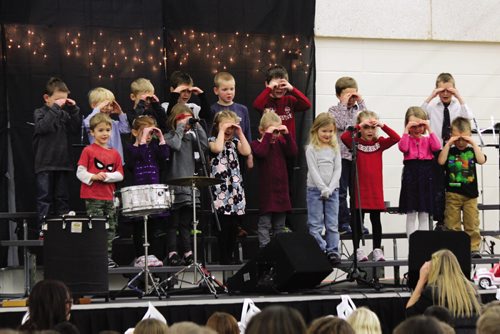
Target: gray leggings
{"x": 268, "y": 221}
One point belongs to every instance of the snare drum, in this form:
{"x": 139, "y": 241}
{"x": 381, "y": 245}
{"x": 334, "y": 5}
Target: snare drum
{"x": 145, "y": 199}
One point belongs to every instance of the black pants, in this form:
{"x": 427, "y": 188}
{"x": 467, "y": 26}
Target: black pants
{"x": 357, "y": 222}
{"x": 181, "y": 220}
{"x": 227, "y": 237}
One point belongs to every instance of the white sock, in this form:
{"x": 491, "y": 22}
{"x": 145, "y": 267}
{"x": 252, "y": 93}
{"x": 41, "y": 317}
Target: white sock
{"x": 423, "y": 221}
{"x": 410, "y": 223}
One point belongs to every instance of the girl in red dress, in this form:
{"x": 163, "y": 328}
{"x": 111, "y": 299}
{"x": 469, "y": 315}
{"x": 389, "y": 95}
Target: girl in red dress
{"x": 369, "y": 148}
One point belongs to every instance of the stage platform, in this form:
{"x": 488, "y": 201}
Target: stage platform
{"x": 192, "y": 305}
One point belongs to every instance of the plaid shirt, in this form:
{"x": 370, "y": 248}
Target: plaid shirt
{"x": 343, "y": 118}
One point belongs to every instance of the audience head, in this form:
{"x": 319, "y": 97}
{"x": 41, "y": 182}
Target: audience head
{"x": 440, "y": 313}
{"x": 151, "y": 326}
{"x": 49, "y": 303}
{"x": 418, "y": 325}
{"x": 364, "y": 321}
{"x": 223, "y": 323}
{"x": 277, "y": 319}
{"x": 330, "y": 325}
{"x": 66, "y": 327}
{"x": 451, "y": 289}
{"x": 187, "y": 327}
{"x": 489, "y": 321}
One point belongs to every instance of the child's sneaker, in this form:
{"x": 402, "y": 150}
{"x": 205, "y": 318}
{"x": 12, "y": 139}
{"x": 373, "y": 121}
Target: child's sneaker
{"x": 334, "y": 259}
{"x": 345, "y": 229}
{"x": 111, "y": 263}
{"x": 174, "y": 260}
{"x": 152, "y": 261}
{"x": 361, "y": 256}
{"x": 378, "y": 255}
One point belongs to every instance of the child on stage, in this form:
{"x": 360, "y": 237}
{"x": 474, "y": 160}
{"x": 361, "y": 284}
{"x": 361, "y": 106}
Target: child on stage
{"x": 417, "y": 184}
{"x": 323, "y": 176}
{"x": 271, "y": 151}
{"x": 99, "y": 168}
{"x": 226, "y": 144}
{"x": 145, "y": 157}
{"x": 369, "y": 148}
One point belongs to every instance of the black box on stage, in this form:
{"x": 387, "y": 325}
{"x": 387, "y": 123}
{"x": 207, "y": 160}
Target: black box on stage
{"x": 76, "y": 253}
{"x": 291, "y": 261}
{"x": 424, "y": 243}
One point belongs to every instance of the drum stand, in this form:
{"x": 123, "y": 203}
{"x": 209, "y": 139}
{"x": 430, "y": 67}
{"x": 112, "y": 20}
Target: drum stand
{"x": 205, "y": 277}
{"x": 156, "y": 287}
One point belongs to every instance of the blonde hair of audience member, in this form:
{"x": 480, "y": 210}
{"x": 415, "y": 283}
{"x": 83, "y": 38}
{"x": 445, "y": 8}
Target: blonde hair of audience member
{"x": 277, "y": 319}
{"x": 188, "y": 327}
{"x": 454, "y": 290}
{"x": 269, "y": 119}
{"x": 321, "y": 121}
{"x": 447, "y": 329}
{"x": 223, "y": 323}
{"x": 489, "y": 321}
{"x": 177, "y": 110}
{"x": 364, "y": 321}
{"x": 151, "y": 326}
{"x": 100, "y": 94}
{"x": 418, "y": 325}
{"x": 330, "y": 325}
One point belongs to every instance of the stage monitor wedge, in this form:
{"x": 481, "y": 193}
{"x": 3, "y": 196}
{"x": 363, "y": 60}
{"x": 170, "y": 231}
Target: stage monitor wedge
{"x": 290, "y": 262}
{"x": 424, "y": 243}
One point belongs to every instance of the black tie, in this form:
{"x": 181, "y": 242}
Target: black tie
{"x": 445, "y": 131}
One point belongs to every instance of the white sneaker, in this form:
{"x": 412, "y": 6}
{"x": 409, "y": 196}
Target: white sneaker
{"x": 361, "y": 256}
{"x": 378, "y": 255}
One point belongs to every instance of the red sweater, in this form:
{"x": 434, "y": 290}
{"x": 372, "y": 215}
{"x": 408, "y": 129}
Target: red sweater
{"x": 273, "y": 176}
{"x": 285, "y": 107}
{"x": 369, "y": 164}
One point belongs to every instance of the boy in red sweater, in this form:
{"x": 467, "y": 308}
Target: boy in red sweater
{"x": 275, "y": 97}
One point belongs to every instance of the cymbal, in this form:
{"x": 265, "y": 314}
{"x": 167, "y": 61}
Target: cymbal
{"x": 198, "y": 181}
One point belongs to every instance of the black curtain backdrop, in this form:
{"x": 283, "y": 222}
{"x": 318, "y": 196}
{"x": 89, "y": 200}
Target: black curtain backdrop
{"x": 110, "y": 43}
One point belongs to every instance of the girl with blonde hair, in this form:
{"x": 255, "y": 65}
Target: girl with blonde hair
{"x": 323, "y": 178}
{"x": 364, "y": 321}
{"x": 442, "y": 283}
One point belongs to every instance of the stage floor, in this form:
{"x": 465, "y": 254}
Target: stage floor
{"x": 190, "y": 305}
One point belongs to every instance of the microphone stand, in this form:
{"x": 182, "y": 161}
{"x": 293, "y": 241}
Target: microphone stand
{"x": 205, "y": 170}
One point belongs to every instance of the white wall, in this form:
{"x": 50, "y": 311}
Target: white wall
{"x": 395, "y": 60}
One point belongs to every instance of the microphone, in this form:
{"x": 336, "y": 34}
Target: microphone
{"x": 193, "y": 121}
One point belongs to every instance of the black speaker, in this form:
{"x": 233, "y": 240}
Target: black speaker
{"x": 424, "y": 243}
{"x": 75, "y": 252}
{"x": 291, "y": 261}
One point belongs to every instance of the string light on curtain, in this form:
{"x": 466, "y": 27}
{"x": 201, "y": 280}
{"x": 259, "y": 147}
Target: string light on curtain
{"x": 106, "y": 53}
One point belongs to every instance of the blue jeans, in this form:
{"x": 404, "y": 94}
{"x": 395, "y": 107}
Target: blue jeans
{"x": 345, "y": 184}
{"x": 323, "y": 213}
{"x": 52, "y": 194}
